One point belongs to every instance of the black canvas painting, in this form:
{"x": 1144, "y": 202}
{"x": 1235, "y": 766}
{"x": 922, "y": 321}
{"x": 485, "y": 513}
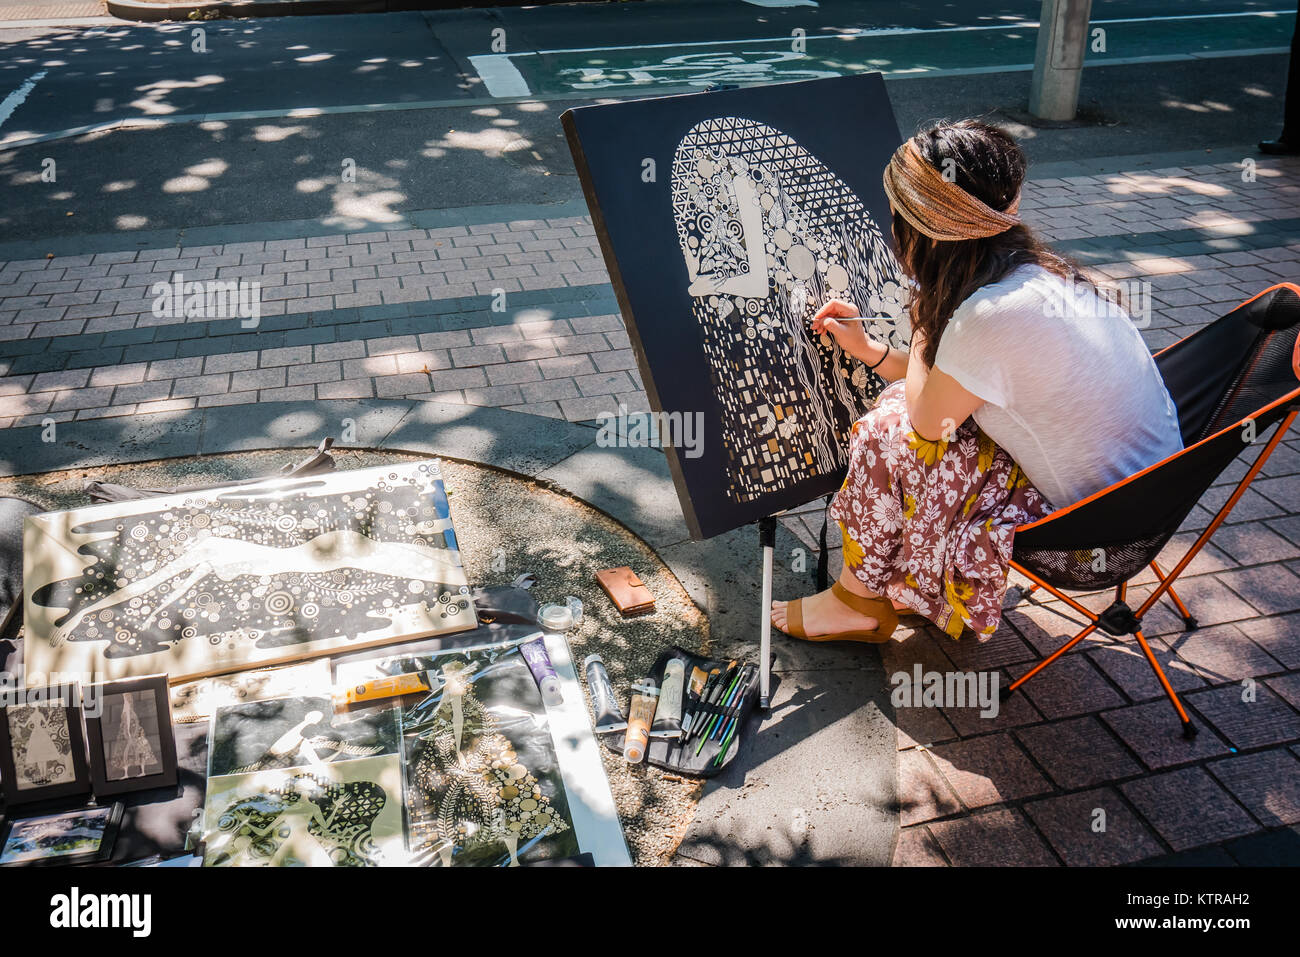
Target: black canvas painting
{"x": 727, "y": 219}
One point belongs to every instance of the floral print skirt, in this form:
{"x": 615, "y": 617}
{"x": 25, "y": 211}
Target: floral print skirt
{"x": 930, "y": 524}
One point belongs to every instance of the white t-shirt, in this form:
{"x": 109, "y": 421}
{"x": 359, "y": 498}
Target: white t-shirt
{"x": 1070, "y": 389}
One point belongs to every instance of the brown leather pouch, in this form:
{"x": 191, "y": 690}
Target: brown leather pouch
{"x": 626, "y": 591}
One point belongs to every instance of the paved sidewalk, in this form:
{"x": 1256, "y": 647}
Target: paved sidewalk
{"x": 51, "y": 9}
{"x": 408, "y": 315}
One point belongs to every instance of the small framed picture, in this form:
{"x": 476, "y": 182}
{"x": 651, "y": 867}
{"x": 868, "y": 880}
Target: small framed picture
{"x": 42, "y": 752}
{"x": 129, "y": 725}
{"x": 84, "y": 836}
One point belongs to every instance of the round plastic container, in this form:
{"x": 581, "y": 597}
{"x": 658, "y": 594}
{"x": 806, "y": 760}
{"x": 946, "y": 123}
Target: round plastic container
{"x": 556, "y": 619}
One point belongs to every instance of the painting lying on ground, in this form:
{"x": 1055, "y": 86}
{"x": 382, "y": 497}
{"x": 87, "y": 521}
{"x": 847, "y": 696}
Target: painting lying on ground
{"x": 341, "y": 814}
{"x": 200, "y": 583}
{"x": 58, "y": 838}
{"x": 296, "y": 732}
{"x": 483, "y": 782}
{"x": 291, "y": 783}
{"x": 727, "y": 219}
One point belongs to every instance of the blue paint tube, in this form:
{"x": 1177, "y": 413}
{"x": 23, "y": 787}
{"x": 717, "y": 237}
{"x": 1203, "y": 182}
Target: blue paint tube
{"x": 604, "y": 705}
{"x": 539, "y": 663}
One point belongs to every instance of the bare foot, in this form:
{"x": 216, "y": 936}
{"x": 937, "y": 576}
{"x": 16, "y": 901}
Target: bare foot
{"x": 823, "y": 614}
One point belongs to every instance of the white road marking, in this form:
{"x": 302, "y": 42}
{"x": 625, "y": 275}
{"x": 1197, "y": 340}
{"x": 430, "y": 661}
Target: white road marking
{"x": 781, "y": 3}
{"x": 500, "y": 76}
{"x": 15, "y": 99}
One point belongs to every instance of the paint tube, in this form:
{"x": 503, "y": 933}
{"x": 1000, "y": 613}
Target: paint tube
{"x": 668, "y": 716}
{"x": 539, "y": 663}
{"x": 389, "y": 686}
{"x": 645, "y": 697}
{"x": 699, "y": 677}
{"x": 605, "y": 707}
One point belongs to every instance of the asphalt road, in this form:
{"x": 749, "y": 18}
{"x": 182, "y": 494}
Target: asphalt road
{"x": 260, "y": 126}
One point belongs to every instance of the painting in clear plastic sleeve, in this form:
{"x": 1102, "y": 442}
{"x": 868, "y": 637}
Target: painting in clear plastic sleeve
{"x": 292, "y": 783}
{"x": 342, "y": 814}
{"x": 483, "y": 781}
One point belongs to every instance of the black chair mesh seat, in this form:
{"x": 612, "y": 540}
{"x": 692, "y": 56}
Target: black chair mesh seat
{"x": 1241, "y": 366}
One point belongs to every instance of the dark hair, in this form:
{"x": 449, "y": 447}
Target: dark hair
{"x": 987, "y": 163}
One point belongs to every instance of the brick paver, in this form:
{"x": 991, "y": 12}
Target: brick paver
{"x": 520, "y": 315}
{"x": 1093, "y": 828}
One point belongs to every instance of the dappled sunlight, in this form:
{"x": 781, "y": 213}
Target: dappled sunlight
{"x": 197, "y": 177}
{"x": 353, "y": 210}
{"x": 150, "y": 104}
{"x": 305, "y": 154}
{"x": 1205, "y": 106}
{"x": 1135, "y": 184}
{"x": 266, "y": 133}
{"x": 490, "y": 141}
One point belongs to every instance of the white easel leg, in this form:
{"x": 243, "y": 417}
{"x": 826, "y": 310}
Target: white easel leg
{"x": 767, "y": 538}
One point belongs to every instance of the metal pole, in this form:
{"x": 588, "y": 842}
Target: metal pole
{"x": 1058, "y": 61}
{"x": 767, "y": 541}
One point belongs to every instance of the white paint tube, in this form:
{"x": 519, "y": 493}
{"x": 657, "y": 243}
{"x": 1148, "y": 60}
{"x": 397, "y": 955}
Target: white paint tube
{"x": 668, "y": 716}
{"x": 603, "y": 703}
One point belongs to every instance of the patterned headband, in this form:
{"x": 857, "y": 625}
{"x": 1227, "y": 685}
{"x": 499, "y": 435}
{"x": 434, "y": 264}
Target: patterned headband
{"x": 938, "y": 208}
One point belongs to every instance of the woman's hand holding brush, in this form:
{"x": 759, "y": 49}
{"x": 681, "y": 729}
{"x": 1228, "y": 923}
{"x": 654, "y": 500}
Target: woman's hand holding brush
{"x": 841, "y": 320}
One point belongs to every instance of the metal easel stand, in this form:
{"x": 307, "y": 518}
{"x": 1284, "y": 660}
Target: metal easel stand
{"x": 767, "y": 542}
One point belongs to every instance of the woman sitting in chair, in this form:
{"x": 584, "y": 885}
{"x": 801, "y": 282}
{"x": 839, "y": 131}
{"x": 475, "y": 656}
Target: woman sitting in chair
{"x": 1024, "y": 390}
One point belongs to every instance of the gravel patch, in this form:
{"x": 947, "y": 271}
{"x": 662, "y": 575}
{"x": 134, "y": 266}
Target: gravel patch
{"x": 506, "y": 526}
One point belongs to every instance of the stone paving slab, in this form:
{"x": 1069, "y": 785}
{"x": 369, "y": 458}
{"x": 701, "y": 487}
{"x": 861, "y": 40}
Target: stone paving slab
{"x": 780, "y": 808}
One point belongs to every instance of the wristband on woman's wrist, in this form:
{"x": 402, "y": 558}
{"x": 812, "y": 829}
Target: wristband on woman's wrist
{"x": 883, "y": 356}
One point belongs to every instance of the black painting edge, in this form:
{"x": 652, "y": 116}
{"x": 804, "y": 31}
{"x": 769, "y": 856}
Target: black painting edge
{"x": 686, "y": 502}
{"x": 97, "y": 856}
{"x": 629, "y": 317}
{"x": 100, "y": 784}
{"x": 14, "y": 797}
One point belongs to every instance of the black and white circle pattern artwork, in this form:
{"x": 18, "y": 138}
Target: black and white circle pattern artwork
{"x": 274, "y": 566}
{"x": 769, "y": 234}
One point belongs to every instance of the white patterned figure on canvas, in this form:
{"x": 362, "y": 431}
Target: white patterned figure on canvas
{"x": 768, "y": 235}
{"x": 294, "y": 744}
{"x": 132, "y": 745}
{"x": 42, "y": 760}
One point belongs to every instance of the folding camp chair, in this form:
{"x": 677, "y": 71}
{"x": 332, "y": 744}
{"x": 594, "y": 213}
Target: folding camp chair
{"x": 1231, "y": 381}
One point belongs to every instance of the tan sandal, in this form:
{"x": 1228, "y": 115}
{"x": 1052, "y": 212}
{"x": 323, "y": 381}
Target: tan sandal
{"x": 881, "y": 609}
